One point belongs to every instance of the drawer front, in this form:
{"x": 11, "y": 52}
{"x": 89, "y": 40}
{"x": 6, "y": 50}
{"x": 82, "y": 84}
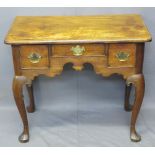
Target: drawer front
{"x": 78, "y": 50}
{"x": 34, "y": 56}
{"x": 122, "y": 55}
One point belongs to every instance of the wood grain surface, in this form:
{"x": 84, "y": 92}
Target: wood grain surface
{"x": 25, "y": 51}
{"x": 60, "y": 29}
{"x": 90, "y": 49}
{"x": 126, "y": 48}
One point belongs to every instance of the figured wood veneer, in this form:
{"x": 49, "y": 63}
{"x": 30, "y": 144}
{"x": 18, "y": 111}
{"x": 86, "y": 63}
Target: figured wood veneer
{"x": 114, "y": 49}
{"x": 90, "y": 49}
{"x": 62, "y": 29}
{"x": 26, "y": 50}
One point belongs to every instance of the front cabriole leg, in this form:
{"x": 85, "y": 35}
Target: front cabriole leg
{"x": 138, "y": 81}
{"x": 18, "y": 83}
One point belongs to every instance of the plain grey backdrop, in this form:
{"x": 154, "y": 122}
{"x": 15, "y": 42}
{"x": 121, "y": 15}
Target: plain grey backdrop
{"x": 76, "y": 108}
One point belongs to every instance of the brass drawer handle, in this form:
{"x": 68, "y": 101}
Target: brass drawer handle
{"x": 122, "y": 56}
{"x": 34, "y": 57}
{"x": 77, "y": 50}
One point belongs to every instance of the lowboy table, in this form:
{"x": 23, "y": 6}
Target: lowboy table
{"x": 111, "y": 44}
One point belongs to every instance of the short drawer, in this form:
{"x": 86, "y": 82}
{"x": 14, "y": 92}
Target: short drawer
{"x": 34, "y": 56}
{"x": 122, "y": 55}
{"x": 78, "y": 50}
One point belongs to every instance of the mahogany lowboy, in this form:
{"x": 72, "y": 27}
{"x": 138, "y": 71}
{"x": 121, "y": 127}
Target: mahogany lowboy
{"x": 46, "y": 44}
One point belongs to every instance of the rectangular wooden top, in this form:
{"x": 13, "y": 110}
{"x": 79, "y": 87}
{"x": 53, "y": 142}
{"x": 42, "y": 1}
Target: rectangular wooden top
{"x": 64, "y": 29}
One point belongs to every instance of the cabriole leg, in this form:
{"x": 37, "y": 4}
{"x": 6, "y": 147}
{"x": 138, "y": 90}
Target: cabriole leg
{"x": 139, "y": 83}
{"x": 18, "y": 83}
{"x": 31, "y": 107}
{"x": 127, "y": 105}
